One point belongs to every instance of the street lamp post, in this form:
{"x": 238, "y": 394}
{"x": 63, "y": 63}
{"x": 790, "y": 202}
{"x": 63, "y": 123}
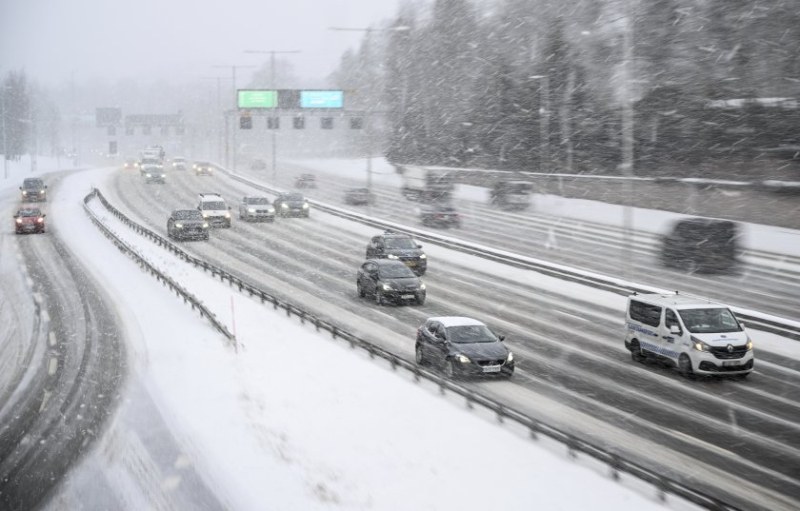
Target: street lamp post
{"x": 273, "y": 136}
{"x": 368, "y": 112}
{"x": 217, "y": 132}
{"x": 5, "y": 136}
{"x": 233, "y": 67}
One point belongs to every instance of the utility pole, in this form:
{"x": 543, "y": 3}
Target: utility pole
{"x": 5, "y": 136}
{"x": 273, "y": 136}
{"x": 368, "y": 113}
{"x": 233, "y": 79}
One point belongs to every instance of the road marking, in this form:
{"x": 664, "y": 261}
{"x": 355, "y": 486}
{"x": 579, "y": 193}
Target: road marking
{"x": 52, "y": 338}
{"x": 53, "y": 367}
{"x": 45, "y": 399}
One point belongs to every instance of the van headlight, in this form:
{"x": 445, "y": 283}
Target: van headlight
{"x": 305, "y": 205}
{"x": 749, "y": 345}
{"x": 227, "y": 214}
{"x": 178, "y": 225}
{"x": 205, "y": 225}
{"x": 699, "y": 345}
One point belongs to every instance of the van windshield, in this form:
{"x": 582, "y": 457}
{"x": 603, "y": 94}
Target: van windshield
{"x": 709, "y": 321}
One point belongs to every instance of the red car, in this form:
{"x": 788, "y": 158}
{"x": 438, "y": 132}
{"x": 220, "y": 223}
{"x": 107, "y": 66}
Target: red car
{"x": 29, "y": 220}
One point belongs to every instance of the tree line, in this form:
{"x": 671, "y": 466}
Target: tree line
{"x": 542, "y": 84}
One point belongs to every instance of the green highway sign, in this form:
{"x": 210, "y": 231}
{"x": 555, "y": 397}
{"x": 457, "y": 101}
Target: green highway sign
{"x": 257, "y": 99}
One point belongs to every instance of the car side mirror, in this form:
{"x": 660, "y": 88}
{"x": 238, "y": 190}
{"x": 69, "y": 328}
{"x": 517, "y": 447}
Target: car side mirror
{"x": 675, "y": 329}
{"x": 419, "y": 246}
{"x": 44, "y": 215}
{"x": 743, "y": 324}
{"x": 501, "y": 337}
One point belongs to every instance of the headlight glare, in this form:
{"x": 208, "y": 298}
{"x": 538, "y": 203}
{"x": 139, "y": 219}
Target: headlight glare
{"x": 423, "y": 256}
{"x": 510, "y": 357}
{"x": 462, "y": 358}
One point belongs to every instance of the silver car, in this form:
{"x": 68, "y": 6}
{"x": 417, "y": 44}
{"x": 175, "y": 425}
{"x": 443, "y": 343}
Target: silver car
{"x": 256, "y": 209}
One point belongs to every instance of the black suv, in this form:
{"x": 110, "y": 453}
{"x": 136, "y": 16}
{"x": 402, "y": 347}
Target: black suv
{"x": 701, "y": 244}
{"x": 33, "y": 190}
{"x": 389, "y": 281}
{"x": 187, "y": 223}
{"x": 291, "y": 204}
{"x": 402, "y": 247}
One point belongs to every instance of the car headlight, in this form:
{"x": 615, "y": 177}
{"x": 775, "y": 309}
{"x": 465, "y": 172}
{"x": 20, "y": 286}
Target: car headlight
{"x": 205, "y": 215}
{"x": 251, "y": 210}
{"x": 285, "y": 206}
{"x": 463, "y": 358}
{"x": 423, "y": 256}
{"x": 41, "y": 192}
{"x": 749, "y": 345}
{"x": 422, "y": 286}
{"x": 392, "y": 256}
{"x": 163, "y": 175}
{"x": 19, "y": 220}
{"x": 148, "y": 175}
{"x": 179, "y": 225}
{"x": 271, "y": 210}
{"x": 387, "y": 287}
{"x": 510, "y": 357}
{"x": 305, "y": 205}
{"x": 205, "y": 225}
{"x": 227, "y": 214}
{"x": 699, "y": 345}
{"x": 24, "y": 192}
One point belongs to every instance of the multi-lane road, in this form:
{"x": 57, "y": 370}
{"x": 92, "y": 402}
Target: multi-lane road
{"x": 737, "y": 440}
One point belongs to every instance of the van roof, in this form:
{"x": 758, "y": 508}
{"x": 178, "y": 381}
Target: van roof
{"x": 675, "y": 300}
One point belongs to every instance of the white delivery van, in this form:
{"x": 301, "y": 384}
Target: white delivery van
{"x": 696, "y": 336}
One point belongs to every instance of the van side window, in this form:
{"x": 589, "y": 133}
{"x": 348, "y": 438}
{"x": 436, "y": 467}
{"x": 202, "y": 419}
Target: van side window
{"x": 645, "y": 313}
{"x": 670, "y": 318}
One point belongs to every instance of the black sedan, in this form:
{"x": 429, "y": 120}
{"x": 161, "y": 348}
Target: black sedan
{"x": 462, "y": 346}
{"x": 359, "y": 196}
{"x": 389, "y": 281}
{"x": 187, "y": 224}
{"x": 291, "y": 204}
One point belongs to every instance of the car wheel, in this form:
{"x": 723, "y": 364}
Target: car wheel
{"x": 419, "y": 356}
{"x": 361, "y": 293}
{"x": 378, "y": 297}
{"x": 636, "y": 352}
{"x": 685, "y": 365}
{"x": 420, "y": 300}
{"x": 449, "y": 369}
{"x": 206, "y": 237}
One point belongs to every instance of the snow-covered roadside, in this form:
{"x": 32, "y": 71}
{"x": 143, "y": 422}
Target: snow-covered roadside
{"x": 297, "y": 421}
{"x": 755, "y": 236}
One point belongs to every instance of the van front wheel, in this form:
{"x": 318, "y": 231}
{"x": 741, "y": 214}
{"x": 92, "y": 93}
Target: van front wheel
{"x": 685, "y": 366}
{"x": 636, "y": 352}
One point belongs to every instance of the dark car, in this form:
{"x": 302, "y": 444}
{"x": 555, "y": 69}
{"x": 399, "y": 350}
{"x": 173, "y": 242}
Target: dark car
{"x": 258, "y": 164}
{"x": 178, "y": 163}
{"x": 701, "y": 244}
{"x": 291, "y": 204}
{"x": 440, "y": 215}
{"x": 305, "y": 181}
{"x": 389, "y": 281}
{"x": 256, "y": 208}
{"x": 33, "y": 190}
{"x": 359, "y": 196}
{"x": 29, "y": 220}
{"x": 398, "y": 246}
{"x": 203, "y": 168}
{"x": 187, "y": 224}
{"x": 154, "y": 174}
{"x": 461, "y": 347}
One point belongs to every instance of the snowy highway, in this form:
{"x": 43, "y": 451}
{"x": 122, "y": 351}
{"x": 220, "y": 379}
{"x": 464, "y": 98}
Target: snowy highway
{"x": 567, "y": 339}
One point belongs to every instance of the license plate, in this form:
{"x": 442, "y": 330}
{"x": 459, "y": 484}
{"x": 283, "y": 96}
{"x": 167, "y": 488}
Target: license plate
{"x": 491, "y": 369}
{"x": 406, "y": 297}
{"x": 731, "y": 363}
{"x": 411, "y": 263}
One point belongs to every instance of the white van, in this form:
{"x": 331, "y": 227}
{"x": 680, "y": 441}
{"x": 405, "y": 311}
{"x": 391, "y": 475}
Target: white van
{"x": 215, "y": 210}
{"x": 696, "y": 336}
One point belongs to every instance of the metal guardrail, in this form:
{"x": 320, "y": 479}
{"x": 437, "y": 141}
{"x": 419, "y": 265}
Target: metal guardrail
{"x": 597, "y": 281}
{"x": 125, "y": 248}
{"x": 616, "y": 463}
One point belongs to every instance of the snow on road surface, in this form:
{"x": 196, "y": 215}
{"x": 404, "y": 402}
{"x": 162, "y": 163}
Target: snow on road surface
{"x": 297, "y": 421}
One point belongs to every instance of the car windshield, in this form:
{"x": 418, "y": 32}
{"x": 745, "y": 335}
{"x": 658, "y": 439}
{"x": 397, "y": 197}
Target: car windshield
{"x": 468, "y": 334}
{"x": 29, "y": 212}
{"x": 188, "y": 214}
{"x": 257, "y": 200}
{"x": 214, "y": 205}
{"x": 293, "y": 197}
{"x": 400, "y": 243}
{"x": 707, "y": 321}
{"x": 33, "y": 183}
{"x": 395, "y": 271}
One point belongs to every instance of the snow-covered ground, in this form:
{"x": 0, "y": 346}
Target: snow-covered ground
{"x": 294, "y": 420}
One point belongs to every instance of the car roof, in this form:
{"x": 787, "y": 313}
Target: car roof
{"x": 676, "y": 301}
{"x": 36, "y": 180}
{"x": 449, "y": 321}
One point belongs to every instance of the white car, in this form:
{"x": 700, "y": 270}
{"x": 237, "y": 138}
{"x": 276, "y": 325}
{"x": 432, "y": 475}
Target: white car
{"x": 215, "y": 210}
{"x": 694, "y": 335}
{"x": 256, "y": 208}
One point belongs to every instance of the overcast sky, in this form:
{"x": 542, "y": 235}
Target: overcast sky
{"x": 181, "y": 39}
